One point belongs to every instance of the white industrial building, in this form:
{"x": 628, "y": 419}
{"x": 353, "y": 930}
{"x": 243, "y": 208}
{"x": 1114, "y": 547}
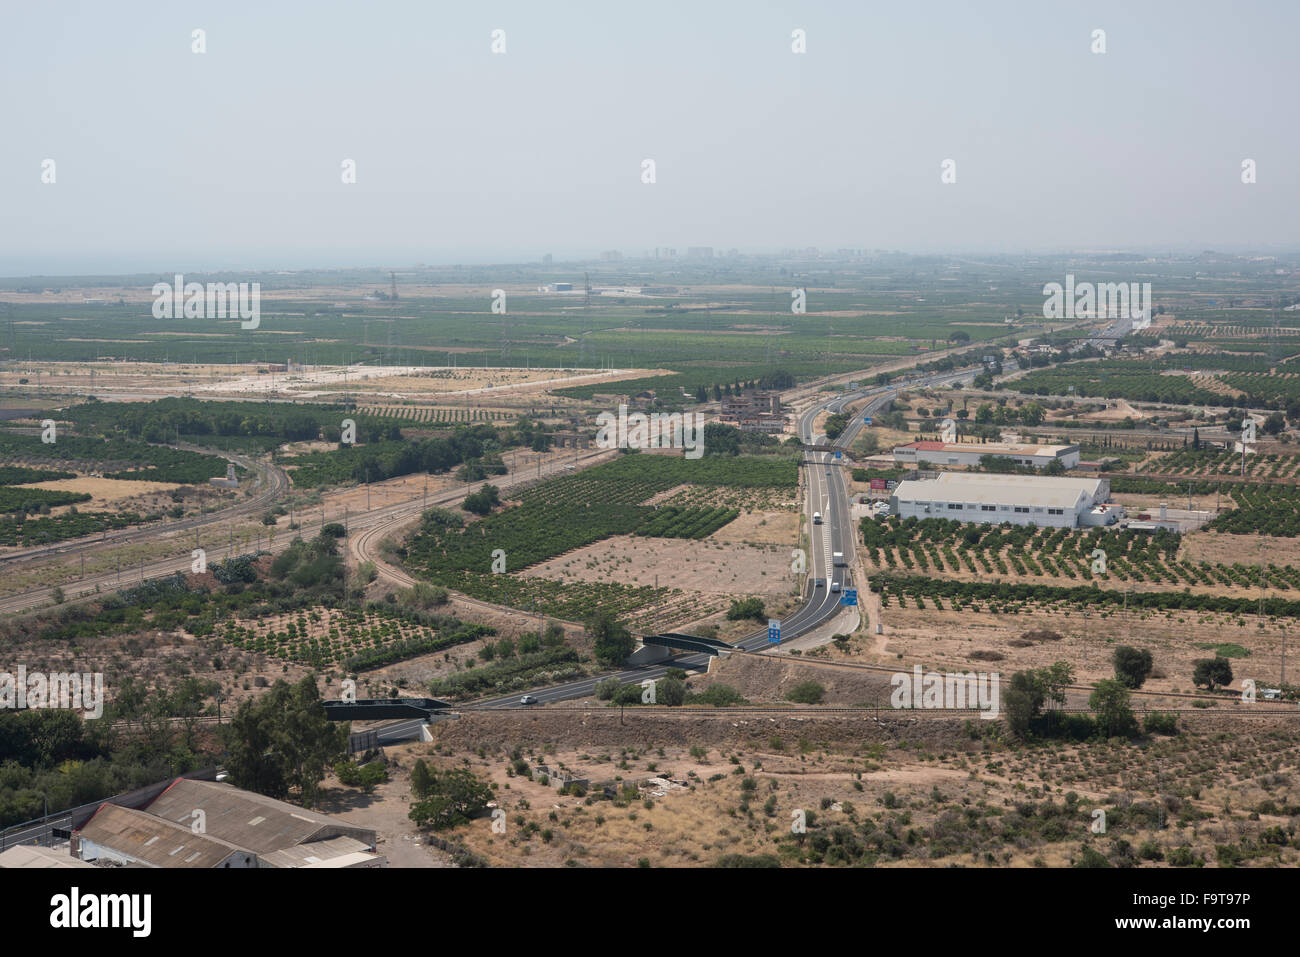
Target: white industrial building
{"x": 969, "y": 453}
{"x": 1019, "y": 499}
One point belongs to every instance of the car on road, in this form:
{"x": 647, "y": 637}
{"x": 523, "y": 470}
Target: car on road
{"x": 528, "y": 699}
{"x": 835, "y": 586}
{"x": 819, "y": 583}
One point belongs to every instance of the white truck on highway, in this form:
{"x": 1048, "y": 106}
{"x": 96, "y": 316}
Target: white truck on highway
{"x": 839, "y": 559}
{"x": 817, "y": 518}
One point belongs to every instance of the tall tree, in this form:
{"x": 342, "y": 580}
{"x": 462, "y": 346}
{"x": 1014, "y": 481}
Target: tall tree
{"x": 1132, "y": 665}
{"x": 1110, "y": 702}
{"x": 451, "y": 797}
{"x": 1211, "y": 672}
{"x": 282, "y": 741}
{"x": 612, "y": 642}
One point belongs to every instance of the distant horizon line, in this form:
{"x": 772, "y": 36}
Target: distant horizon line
{"x": 717, "y": 254}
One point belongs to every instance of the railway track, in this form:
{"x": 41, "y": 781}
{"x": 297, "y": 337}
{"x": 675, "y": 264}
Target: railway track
{"x": 274, "y": 482}
{"x": 373, "y": 525}
{"x": 687, "y": 711}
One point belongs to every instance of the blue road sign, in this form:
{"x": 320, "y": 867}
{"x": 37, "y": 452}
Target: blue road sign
{"x": 774, "y": 631}
{"x": 866, "y": 420}
{"x": 850, "y": 597}
{"x": 838, "y": 453}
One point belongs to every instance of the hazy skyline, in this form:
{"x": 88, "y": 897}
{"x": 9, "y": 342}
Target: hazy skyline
{"x": 231, "y": 159}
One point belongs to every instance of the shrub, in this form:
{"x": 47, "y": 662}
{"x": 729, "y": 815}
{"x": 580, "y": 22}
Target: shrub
{"x": 718, "y": 696}
{"x": 806, "y": 692}
{"x": 743, "y": 608}
{"x": 1160, "y": 722}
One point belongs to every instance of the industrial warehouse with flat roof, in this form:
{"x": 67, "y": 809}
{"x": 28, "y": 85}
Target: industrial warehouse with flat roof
{"x": 1019, "y": 499}
{"x": 970, "y": 453}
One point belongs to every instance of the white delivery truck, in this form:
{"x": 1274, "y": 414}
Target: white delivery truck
{"x": 839, "y": 559}
{"x": 817, "y": 518}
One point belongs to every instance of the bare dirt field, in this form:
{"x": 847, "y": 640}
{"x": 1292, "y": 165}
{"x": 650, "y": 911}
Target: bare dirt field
{"x": 104, "y": 491}
{"x": 1115, "y": 411}
{"x": 141, "y": 380}
{"x": 1246, "y": 549}
{"x": 761, "y": 528}
{"x": 947, "y": 639}
{"x": 703, "y": 566}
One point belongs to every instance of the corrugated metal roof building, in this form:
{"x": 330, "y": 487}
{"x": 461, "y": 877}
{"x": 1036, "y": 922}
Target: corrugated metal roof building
{"x": 968, "y": 454}
{"x": 31, "y": 856}
{"x": 250, "y": 820}
{"x": 123, "y": 835}
{"x": 207, "y": 824}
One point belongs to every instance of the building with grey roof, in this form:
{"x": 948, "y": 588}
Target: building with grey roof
{"x": 1019, "y": 499}
{"x": 197, "y": 823}
{"x": 33, "y": 856}
{"x": 969, "y": 454}
{"x": 123, "y": 835}
{"x": 248, "y": 819}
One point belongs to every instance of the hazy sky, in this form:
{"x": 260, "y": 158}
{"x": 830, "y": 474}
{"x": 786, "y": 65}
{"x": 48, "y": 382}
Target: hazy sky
{"x": 170, "y": 160}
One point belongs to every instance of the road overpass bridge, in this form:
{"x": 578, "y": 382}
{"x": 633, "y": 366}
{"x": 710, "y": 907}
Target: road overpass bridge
{"x": 680, "y": 642}
{"x": 384, "y": 709}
